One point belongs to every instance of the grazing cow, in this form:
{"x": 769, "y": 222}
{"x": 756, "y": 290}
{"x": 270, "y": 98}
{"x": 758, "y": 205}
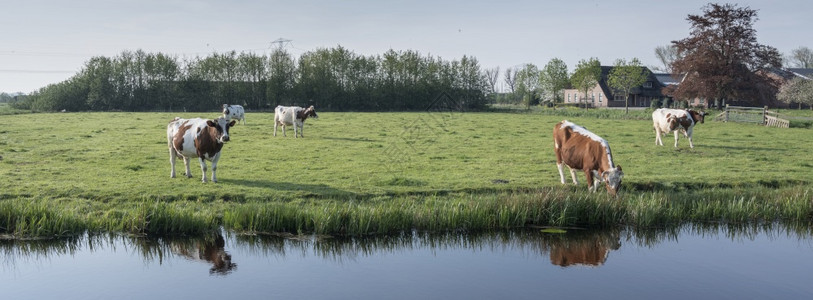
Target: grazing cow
{"x": 199, "y": 138}
{"x": 666, "y": 120}
{"x": 581, "y": 149}
{"x": 292, "y": 115}
{"x": 234, "y": 112}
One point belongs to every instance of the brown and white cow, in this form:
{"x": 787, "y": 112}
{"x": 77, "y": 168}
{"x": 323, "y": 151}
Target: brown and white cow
{"x": 581, "y": 149}
{"x": 666, "y": 120}
{"x": 292, "y": 115}
{"x": 199, "y": 138}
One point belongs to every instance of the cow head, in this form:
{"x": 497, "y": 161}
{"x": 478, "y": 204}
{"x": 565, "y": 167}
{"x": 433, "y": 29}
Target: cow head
{"x": 311, "y": 112}
{"x": 226, "y": 109}
{"x": 222, "y": 126}
{"x": 699, "y": 117}
{"x": 672, "y": 120}
{"x": 613, "y": 179}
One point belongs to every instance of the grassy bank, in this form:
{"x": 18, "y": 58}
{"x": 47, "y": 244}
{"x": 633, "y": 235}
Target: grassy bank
{"x": 360, "y": 173}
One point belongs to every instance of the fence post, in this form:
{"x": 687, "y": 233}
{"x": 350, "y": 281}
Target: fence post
{"x": 726, "y": 113}
{"x": 765, "y": 115}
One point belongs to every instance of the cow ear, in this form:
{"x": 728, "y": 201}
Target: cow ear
{"x": 618, "y": 167}
{"x": 211, "y": 123}
{"x": 231, "y": 124}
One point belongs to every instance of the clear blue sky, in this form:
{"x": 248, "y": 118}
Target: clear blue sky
{"x": 45, "y": 42}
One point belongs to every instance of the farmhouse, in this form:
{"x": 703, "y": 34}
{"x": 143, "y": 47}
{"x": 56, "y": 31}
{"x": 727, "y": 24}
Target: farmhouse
{"x": 602, "y": 95}
{"x": 657, "y": 87}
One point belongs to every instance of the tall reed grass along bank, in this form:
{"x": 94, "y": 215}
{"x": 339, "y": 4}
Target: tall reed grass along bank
{"x": 543, "y": 207}
{"x": 462, "y": 211}
{"x": 32, "y": 218}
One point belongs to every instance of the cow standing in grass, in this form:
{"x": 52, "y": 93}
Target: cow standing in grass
{"x": 666, "y": 120}
{"x": 292, "y": 115}
{"x": 199, "y": 138}
{"x": 234, "y": 112}
{"x": 581, "y": 149}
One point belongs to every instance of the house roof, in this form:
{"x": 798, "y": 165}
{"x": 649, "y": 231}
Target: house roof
{"x": 654, "y": 91}
{"x": 790, "y": 73}
{"x": 667, "y": 78}
{"x": 802, "y": 72}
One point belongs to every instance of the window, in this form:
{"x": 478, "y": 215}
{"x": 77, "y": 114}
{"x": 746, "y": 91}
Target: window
{"x": 593, "y": 97}
{"x": 599, "y": 98}
{"x": 568, "y": 97}
{"x": 618, "y": 97}
{"x": 648, "y": 84}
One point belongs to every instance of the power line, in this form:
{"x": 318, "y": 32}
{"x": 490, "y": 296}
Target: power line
{"x": 36, "y": 71}
{"x": 37, "y": 53}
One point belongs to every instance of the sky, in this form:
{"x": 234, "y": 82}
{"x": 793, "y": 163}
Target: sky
{"x": 46, "y": 42}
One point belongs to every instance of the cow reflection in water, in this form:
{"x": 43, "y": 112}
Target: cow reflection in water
{"x": 209, "y": 249}
{"x": 582, "y": 248}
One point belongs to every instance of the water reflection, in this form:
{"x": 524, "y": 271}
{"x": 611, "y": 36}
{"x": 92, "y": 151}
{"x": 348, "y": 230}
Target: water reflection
{"x": 576, "y": 247}
{"x": 583, "y": 248}
{"x": 209, "y": 249}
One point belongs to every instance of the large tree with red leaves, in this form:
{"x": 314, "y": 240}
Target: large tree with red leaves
{"x": 721, "y": 59}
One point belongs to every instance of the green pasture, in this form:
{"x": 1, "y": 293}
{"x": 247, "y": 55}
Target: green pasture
{"x": 359, "y": 173}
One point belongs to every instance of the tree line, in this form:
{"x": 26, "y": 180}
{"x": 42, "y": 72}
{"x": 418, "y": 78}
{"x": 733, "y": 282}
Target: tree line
{"x": 334, "y": 79}
{"x": 719, "y": 61}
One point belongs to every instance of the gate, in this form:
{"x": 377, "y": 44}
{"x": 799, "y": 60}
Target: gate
{"x": 758, "y": 115}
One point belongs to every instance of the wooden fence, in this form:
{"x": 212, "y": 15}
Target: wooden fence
{"x": 758, "y": 115}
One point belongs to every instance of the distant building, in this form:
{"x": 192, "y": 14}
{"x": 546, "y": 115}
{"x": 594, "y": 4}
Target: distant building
{"x": 653, "y": 89}
{"x": 783, "y": 76}
{"x": 602, "y": 95}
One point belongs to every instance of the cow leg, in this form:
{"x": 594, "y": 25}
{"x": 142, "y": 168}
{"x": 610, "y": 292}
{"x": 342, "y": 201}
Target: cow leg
{"x": 561, "y": 172}
{"x": 573, "y": 175}
{"x": 302, "y": 130}
{"x": 676, "y": 137}
{"x": 658, "y": 141}
{"x": 202, "y": 169}
{"x": 283, "y": 130}
{"x": 590, "y": 184}
{"x": 275, "y": 128}
{"x": 295, "y": 129}
{"x": 186, "y": 161}
{"x": 596, "y": 180}
{"x": 689, "y": 136}
{"x": 214, "y": 166}
{"x": 172, "y": 162}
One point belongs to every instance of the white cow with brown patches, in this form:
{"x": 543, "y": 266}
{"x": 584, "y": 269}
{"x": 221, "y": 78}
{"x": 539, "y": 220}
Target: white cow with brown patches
{"x": 578, "y": 148}
{"x": 199, "y": 138}
{"x": 666, "y": 120}
{"x": 292, "y": 115}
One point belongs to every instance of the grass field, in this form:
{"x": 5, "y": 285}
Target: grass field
{"x": 360, "y": 173}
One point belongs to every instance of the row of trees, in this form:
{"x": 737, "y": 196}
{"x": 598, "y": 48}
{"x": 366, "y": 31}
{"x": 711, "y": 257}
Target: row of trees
{"x": 530, "y": 85}
{"x": 719, "y": 61}
{"x": 333, "y": 79}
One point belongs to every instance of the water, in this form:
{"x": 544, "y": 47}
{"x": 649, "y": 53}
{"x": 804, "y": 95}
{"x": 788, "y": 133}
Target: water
{"x": 768, "y": 262}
